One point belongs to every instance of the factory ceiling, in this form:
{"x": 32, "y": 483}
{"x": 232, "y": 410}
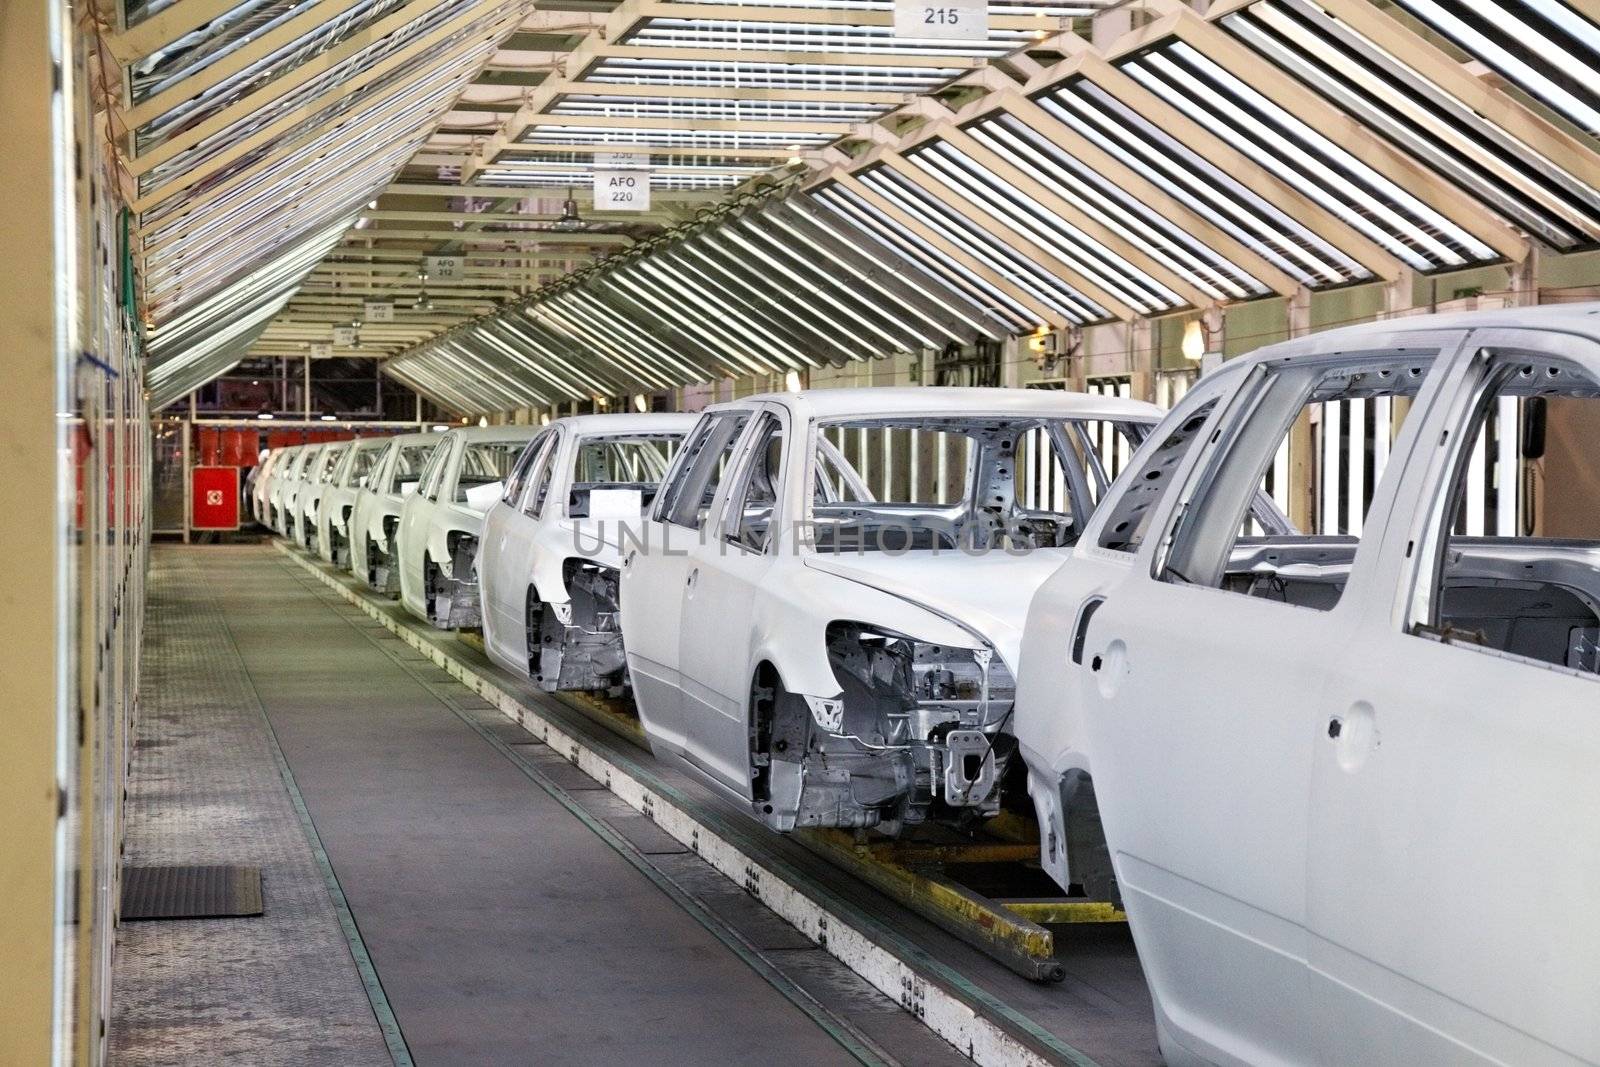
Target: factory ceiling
{"x": 820, "y": 188}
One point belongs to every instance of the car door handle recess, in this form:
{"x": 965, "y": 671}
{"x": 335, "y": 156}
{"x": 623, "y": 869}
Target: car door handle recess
{"x": 1354, "y": 736}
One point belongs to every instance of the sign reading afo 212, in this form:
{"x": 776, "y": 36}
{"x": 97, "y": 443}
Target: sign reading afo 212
{"x": 621, "y": 190}
{"x": 942, "y": 20}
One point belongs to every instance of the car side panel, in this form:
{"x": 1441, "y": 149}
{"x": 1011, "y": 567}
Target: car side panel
{"x": 504, "y": 569}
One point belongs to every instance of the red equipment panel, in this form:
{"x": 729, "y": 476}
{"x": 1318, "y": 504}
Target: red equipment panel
{"x": 214, "y": 498}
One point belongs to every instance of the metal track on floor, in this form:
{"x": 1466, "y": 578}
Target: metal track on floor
{"x": 976, "y": 1022}
{"x": 917, "y": 874}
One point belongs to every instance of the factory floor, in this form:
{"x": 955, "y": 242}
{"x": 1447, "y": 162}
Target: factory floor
{"x": 428, "y": 897}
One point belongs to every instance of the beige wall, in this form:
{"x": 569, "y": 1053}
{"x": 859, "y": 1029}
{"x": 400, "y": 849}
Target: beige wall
{"x": 27, "y": 540}
{"x": 1568, "y": 485}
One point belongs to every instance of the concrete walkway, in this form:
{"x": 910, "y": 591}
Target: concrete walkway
{"x": 502, "y": 925}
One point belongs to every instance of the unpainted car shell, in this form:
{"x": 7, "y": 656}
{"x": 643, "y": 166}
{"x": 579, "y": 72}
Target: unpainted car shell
{"x": 772, "y": 611}
{"x": 523, "y": 560}
{"x": 1317, "y": 819}
{"x": 261, "y": 485}
{"x": 375, "y": 513}
{"x": 283, "y": 489}
{"x": 308, "y": 500}
{"x": 432, "y": 528}
{"x": 338, "y": 502}
{"x": 304, "y": 472}
{"x": 270, "y": 486}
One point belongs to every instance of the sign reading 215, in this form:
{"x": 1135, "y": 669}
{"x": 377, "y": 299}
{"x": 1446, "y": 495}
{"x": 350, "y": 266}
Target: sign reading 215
{"x": 947, "y": 20}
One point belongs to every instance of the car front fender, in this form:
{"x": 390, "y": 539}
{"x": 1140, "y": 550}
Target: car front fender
{"x": 798, "y": 603}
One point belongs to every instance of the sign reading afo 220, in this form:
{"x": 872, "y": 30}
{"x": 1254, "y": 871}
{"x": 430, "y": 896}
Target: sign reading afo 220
{"x": 943, "y": 20}
{"x": 622, "y": 190}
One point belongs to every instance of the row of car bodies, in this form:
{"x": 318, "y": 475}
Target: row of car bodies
{"x": 1304, "y": 674}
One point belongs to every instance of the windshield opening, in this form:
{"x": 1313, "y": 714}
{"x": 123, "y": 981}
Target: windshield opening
{"x": 971, "y": 483}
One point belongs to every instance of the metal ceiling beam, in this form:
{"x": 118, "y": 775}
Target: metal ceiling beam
{"x": 258, "y": 48}
{"x": 814, "y": 16}
{"x": 776, "y": 154}
{"x": 830, "y": 127}
{"x": 777, "y": 57}
{"x": 395, "y": 101}
{"x": 484, "y": 218}
{"x": 706, "y": 196}
{"x": 729, "y": 281}
{"x": 899, "y": 279}
{"x": 925, "y": 233}
{"x": 1006, "y": 99}
{"x": 1110, "y": 239}
{"x": 385, "y": 111}
{"x": 150, "y": 35}
{"x": 1309, "y": 107}
{"x": 1496, "y": 107}
{"x": 753, "y": 93}
{"x": 143, "y": 164}
{"x": 1016, "y": 242}
{"x": 489, "y": 237}
{"x": 1094, "y": 67}
{"x": 616, "y": 27}
{"x": 328, "y": 267}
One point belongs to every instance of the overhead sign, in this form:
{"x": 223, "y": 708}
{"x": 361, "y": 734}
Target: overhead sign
{"x": 949, "y": 20}
{"x": 321, "y": 350}
{"x": 444, "y": 266}
{"x": 621, "y": 190}
{"x": 378, "y": 311}
{"x": 344, "y": 336}
{"x": 621, "y": 160}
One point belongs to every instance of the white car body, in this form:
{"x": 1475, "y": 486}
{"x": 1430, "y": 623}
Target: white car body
{"x": 318, "y": 476}
{"x": 375, "y": 515}
{"x": 829, "y": 686}
{"x": 1350, "y": 785}
{"x": 269, "y": 487}
{"x": 339, "y": 497}
{"x": 440, "y": 523}
{"x": 261, "y": 484}
{"x": 279, "y": 497}
{"x": 299, "y": 478}
{"x": 549, "y": 567}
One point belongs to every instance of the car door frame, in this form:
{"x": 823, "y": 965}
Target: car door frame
{"x": 505, "y": 526}
{"x": 1376, "y": 973}
{"x": 1260, "y": 944}
{"x": 653, "y": 573}
{"x": 721, "y": 594}
{"x": 412, "y": 541}
{"x": 364, "y": 508}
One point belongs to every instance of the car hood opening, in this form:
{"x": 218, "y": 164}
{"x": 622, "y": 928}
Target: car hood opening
{"x": 990, "y": 592}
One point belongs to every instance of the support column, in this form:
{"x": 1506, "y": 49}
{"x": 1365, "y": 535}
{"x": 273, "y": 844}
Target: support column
{"x": 1524, "y": 279}
{"x": 1297, "y": 312}
{"x": 1011, "y": 351}
{"x": 1400, "y": 295}
{"x": 1302, "y": 454}
{"x": 1142, "y": 360}
{"x": 33, "y": 320}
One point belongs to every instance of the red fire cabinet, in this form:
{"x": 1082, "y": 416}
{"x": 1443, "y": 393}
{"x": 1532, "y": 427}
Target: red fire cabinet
{"x": 214, "y": 498}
